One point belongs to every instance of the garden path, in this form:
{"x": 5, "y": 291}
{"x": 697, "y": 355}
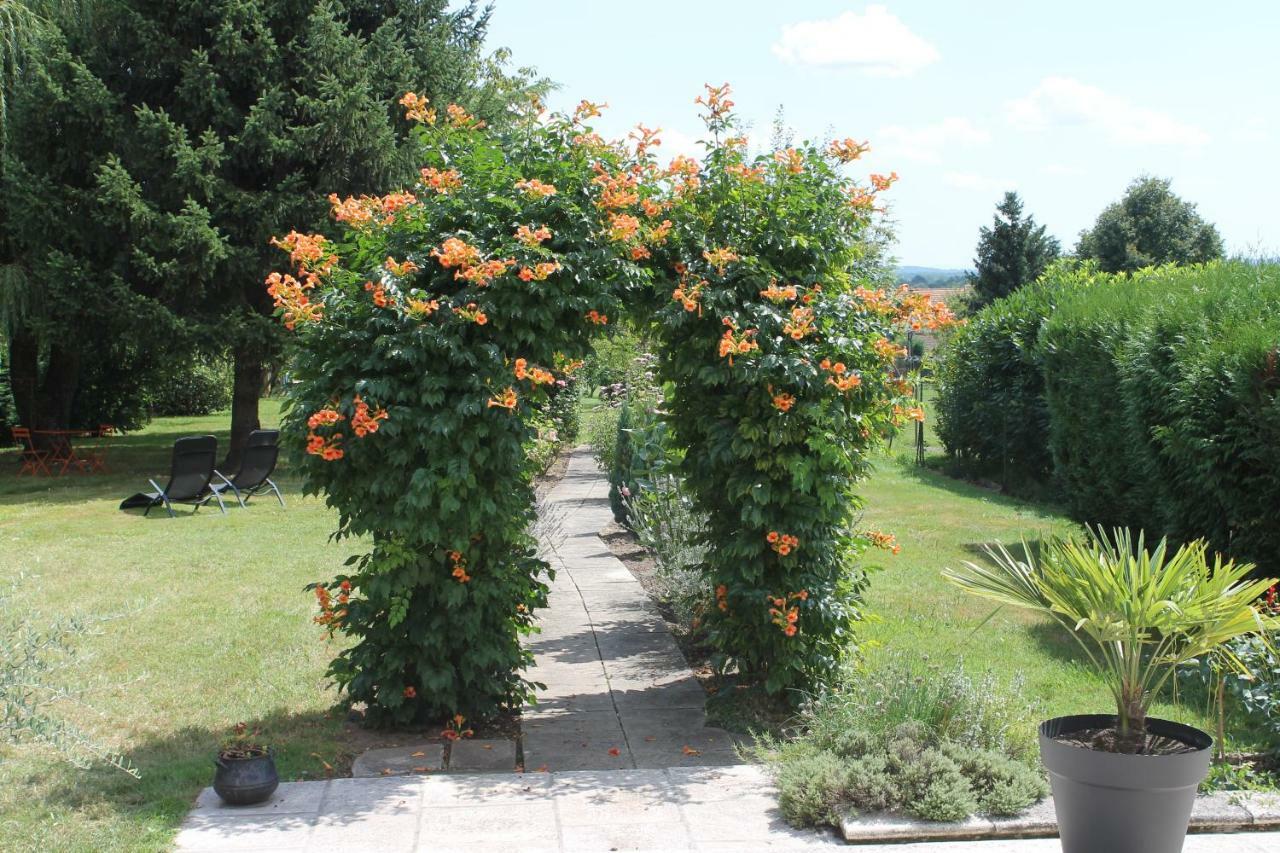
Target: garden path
{"x": 619, "y": 693}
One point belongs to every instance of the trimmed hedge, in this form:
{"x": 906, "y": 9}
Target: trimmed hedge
{"x": 1147, "y": 400}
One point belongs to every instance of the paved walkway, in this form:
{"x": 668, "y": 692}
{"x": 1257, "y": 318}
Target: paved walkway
{"x": 618, "y": 691}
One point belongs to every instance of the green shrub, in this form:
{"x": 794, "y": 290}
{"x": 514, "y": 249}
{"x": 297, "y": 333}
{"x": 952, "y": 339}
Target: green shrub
{"x": 198, "y": 388}
{"x": 909, "y": 737}
{"x": 664, "y": 519}
{"x": 600, "y": 432}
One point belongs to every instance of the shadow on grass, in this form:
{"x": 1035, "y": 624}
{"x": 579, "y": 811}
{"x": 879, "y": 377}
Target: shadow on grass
{"x": 930, "y": 475}
{"x": 177, "y": 764}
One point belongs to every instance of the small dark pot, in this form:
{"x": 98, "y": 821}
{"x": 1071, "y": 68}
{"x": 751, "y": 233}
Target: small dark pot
{"x": 245, "y": 781}
{"x": 1114, "y": 803}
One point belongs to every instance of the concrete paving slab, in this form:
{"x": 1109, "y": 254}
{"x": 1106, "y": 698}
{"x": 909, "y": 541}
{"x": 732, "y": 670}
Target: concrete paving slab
{"x": 422, "y": 757}
{"x": 482, "y": 756}
{"x": 290, "y": 798}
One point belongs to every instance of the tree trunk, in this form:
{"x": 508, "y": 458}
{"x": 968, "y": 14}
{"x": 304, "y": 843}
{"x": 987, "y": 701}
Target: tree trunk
{"x": 61, "y": 381}
{"x": 246, "y": 389}
{"x": 24, "y": 375}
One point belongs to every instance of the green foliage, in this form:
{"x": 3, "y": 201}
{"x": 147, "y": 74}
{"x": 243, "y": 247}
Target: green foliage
{"x": 1148, "y": 227}
{"x": 762, "y": 270}
{"x": 662, "y": 515}
{"x": 911, "y": 737}
{"x": 600, "y": 431}
{"x": 457, "y": 349}
{"x": 30, "y": 692}
{"x": 621, "y": 361}
{"x": 642, "y": 453}
{"x": 1013, "y": 252}
{"x": 200, "y": 388}
{"x": 1136, "y": 613}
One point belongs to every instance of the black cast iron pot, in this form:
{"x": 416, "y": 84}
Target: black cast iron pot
{"x": 242, "y": 780}
{"x": 1110, "y": 802}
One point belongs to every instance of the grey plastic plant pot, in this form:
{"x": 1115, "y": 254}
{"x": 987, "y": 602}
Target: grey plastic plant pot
{"x": 1113, "y": 803}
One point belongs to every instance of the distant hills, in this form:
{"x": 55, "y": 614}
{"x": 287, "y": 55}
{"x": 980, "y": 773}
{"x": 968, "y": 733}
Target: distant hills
{"x": 931, "y": 276}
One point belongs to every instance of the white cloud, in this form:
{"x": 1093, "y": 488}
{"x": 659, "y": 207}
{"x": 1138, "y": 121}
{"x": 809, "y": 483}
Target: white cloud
{"x": 675, "y": 142}
{"x": 977, "y": 183}
{"x": 928, "y": 143}
{"x": 1065, "y": 101}
{"x": 875, "y": 42}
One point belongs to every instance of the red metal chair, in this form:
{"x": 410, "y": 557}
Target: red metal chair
{"x": 33, "y": 459}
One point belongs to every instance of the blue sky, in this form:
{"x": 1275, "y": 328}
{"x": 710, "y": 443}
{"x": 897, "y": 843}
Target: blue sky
{"x": 1064, "y": 102}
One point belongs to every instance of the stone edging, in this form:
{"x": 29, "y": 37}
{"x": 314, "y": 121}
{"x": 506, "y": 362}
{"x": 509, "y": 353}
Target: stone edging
{"x": 1233, "y": 811}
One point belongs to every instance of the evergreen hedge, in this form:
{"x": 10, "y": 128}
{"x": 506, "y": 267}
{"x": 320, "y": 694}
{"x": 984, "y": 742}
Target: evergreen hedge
{"x": 1147, "y": 400}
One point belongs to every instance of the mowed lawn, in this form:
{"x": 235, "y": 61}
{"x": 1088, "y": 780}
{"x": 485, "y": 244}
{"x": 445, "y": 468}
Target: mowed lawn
{"x": 208, "y": 625}
{"x": 939, "y": 522}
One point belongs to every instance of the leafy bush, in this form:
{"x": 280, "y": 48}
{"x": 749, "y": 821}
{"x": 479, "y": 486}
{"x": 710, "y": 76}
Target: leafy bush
{"x": 775, "y": 354}
{"x": 642, "y": 452}
{"x": 600, "y": 431}
{"x": 662, "y": 514}
{"x": 198, "y": 388}
{"x": 909, "y": 736}
{"x": 426, "y": 341}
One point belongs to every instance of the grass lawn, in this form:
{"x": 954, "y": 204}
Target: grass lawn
{"x": 210, "y": 627}
{"x": 940, "y": 522}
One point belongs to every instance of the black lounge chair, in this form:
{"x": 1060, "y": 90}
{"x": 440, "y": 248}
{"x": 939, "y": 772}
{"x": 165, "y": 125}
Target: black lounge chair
{"x": 189, "y": 477}
{"x": 256, "y": 467}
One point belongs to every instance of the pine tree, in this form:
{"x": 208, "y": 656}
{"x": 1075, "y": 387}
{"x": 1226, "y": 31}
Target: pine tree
{"x": 1012, "y": 252}
{"x": 206, "y": 127}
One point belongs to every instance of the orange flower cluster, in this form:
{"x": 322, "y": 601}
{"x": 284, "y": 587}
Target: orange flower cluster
{"x": 567, "y": 365}
{"x": 363, "y": 423}
{"x": 331, "y": 614}
{"x": 779, "y": 294}
{"x": 535, "y": 188}
{"x": 689, "y": 293}
{"x": 847, "y": 150}
{"x": 596, "y": 318}
{"x": 720, "y": 258}
{"x": 880, "y": 183}
{"x": 506, "y": 401}
{"x": 472, "y": 314}
{"x": 645, "y": 138}
{"x": 898, "y": 385}
{"x": 586, "y": 110}
{"x": 782, "y": 543}
{"x": 460, "y": 118}
{"x": 920, "y": 311}
{"x": 454, "y": 252}
{"x": 532, "y": 237}
{"x": 887, "y": 541}
{"x": 380, "y": 297}
{"x": 290, "y": 295}
{"x": 330, "y": 448}
{"x": 911, "y": 413}
{"x": 483, "y": 274}
{"x": 441, "y": 181}
{"x": 746, "y": 174}
{"x": 791, "y": 159}
{"x": 421, "y": 308}
{"x": 782, "y": 401}
{"x": 840, "y": 377}
{"x": 365, "y": 209}
{"x": 722, "y": 598}
{"x": 616, "y": 191}
{"x": 535, "y": 374}
{"x": 622, "y": 227}
{"x": 801, "y": 323}
{"x": 416, "y": 108}
{"x": 308, "y": 253}
{"x": 660, "y": 232}
{"x": 400, "y": 268}
{"x": 716, "y": 100}
{"x": 888, "y": 350}
{"x": 686, "y": 174}
{"x": 876, "y": 301}
{"x": 539, "y": 272}
{"x": 459, "y": 567}
{"x": 785, "y": 613}
{"x": 455, "y": 729}
{"x": 732, "y": 343}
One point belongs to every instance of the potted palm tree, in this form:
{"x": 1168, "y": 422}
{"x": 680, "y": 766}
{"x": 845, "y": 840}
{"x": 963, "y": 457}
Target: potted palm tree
{"x": 1126, "y": 782}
